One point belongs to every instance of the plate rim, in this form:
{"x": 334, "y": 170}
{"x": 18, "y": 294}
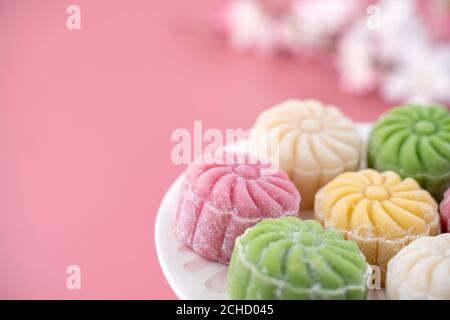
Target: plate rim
{"x": 165, "y": 202}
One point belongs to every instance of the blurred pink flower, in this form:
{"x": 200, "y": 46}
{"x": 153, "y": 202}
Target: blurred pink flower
{"x": 267, "y": 26}
{"x": 436, "y": 16}
{"x": 249, "y": 26}
{"x": 276, "y": 7}
{"x": 321, "y": 21}
{"x": 405, "y": 58}
{"x": 355, "y": 61}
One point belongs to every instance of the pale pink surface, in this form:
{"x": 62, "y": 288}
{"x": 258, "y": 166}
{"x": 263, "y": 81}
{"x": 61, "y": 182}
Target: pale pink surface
{"x": 85, "y": 124}
{"x": 444, "y": 209}
{"x": 220, "y": 201}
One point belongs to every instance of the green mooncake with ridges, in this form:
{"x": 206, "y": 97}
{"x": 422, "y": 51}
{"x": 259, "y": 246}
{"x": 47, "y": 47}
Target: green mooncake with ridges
{"x": 289, "y": 258}
{"x": 414, "y": 141}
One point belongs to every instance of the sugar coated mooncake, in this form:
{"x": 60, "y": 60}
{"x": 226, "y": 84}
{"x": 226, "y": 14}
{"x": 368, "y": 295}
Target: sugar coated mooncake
{"x": 379, "y": 211}
{"x": 415, "y": 142}
{"x": 421, "y": 270}
{"x": 220, "y": 199}
{"x": 315, "y": 143}
{"x": 289, "y": 258}
{"x": 444, "y": 208}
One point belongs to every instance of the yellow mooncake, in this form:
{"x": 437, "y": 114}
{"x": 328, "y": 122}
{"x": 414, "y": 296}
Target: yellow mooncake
{"x": 379, "y": 211}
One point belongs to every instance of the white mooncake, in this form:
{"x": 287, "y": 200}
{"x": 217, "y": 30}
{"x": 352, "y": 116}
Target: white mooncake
{"x": 421, "y": 270}
{"x": 314, "y": 143}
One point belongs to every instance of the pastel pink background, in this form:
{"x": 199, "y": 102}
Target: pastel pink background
{"x": 86, "y": 118}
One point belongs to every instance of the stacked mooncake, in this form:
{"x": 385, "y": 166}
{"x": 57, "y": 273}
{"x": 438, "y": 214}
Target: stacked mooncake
{"x": 386, "y": 216}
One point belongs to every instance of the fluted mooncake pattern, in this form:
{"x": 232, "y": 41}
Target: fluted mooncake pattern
{"x": 289, "y": 258}
{"x": 415, "y": 142}
{"x": 316, "y": 143}
{"x": 219, "y": 201}
{"x": 380, "y": 211}
{"x": 421, "y": 270}
{"x": 444, "y": 208}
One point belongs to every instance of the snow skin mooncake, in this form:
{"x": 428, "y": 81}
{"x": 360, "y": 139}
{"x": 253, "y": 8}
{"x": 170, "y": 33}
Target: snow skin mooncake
{"x": 444, "y": 208}
{"x": 379, "y": 211}
{"x": 421, "y": 270}
{"x": 219, "y": 201}
{"x": 414, "y": 141}
{"x": 315, "y": 143}
{"x": 289, "y": 258}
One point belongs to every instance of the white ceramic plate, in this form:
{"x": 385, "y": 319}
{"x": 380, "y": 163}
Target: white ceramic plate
{"x": 190, "y": 276}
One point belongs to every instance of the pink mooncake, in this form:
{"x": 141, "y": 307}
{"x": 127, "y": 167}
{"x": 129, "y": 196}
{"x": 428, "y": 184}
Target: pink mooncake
{"x": 444, "y": 208}
{"x": 219, "y": 201}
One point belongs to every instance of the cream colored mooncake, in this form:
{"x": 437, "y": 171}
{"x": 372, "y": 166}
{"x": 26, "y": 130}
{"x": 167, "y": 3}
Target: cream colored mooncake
{"x": 379, "y": 211}
{"x": 314, "y": 144}
{"x": 421, "y": 270}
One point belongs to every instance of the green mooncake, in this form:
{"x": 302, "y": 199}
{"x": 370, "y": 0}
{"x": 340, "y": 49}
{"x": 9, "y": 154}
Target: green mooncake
{"x": 289, "y": 258}
{"x": 414, "y": 141}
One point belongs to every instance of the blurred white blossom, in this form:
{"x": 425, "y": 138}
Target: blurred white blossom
{"x": 318, "y": 21}
{"x": 401, "y": 58}
{"x": 401, "y": 30}
{"x": 355, "y": 61}
{"x": 250, "y": 27}
{"x": 422, "y": 76}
